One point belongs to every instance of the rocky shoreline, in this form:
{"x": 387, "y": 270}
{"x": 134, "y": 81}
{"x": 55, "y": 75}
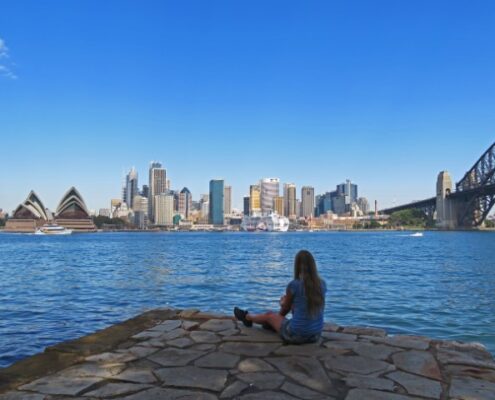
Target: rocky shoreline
{"x": 186, "y": 354}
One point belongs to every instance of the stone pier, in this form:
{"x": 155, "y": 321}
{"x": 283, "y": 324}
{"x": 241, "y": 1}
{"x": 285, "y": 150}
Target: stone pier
{"x": 173, "y": 354}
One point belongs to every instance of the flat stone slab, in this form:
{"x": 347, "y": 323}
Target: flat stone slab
{"x": 471, "y": 389}
{"x": 267, "y": 395}
{"x": 116, "y": 389}
{"x": 22, "y": 396}
{"x": 136, "y": 375}
{"x": 416, "y": 385}
{"x": 304, "y": 370}
{"x": 262, "y": 380}
{"x": 365, "y": 394}
{"x": 217, "y": 325}
{"x": 356, "y": 365}
{"x": 254, "y": 365}
{"x": 61, "y": 385}
{"x": 369, "y": 382}
{"x": 303, "y": 393}
{"x": 172, "y": 357}
{"x": 218, "y": 360}
{"x": 169, "y": 394}
{"x": 249, "y": 349}
{"x": 233, "y": 390}
{"x": 418, "y": 362}
{"x": 193, "y": 377}
{"x": 167, "y": 326}
{"x": 205, "y": 337}
{"x": 404, "y": 341}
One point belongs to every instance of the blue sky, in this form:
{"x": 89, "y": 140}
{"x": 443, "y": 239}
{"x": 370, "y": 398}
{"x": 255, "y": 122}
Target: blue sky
{"x": 386, "y": 93}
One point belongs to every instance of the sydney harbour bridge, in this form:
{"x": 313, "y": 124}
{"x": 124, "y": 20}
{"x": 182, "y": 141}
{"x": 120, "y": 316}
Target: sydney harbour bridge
{"x": 465, "y": 206}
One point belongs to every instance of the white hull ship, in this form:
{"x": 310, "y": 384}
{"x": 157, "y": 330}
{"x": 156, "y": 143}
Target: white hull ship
{"x": 269, "y": 223}
{"x": 52, "y": 229}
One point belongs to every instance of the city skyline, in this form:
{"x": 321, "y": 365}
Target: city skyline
{"x": 384, "y": 95}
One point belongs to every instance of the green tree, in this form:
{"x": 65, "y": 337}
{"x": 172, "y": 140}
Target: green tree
{"x": 101, "y": 221}
{"x": 2, "y": 222}
{"x": 490, "y": 223}
{"x": 411, "y": 217}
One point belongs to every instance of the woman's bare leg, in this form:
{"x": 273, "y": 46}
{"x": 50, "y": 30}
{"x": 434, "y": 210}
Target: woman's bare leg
{"x": 270, "y": 317}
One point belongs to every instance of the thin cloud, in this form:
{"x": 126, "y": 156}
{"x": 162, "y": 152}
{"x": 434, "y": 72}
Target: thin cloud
{"x": 5, "y": 63}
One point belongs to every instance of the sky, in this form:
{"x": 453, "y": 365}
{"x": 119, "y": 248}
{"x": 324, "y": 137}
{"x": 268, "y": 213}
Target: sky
{"x": 385, "y": 93}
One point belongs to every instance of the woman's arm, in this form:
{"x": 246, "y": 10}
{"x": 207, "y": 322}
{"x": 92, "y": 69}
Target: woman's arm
{"x": 286, "y": 303}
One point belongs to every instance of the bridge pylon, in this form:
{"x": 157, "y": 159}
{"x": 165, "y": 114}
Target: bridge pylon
{"x": 446, "y": 210}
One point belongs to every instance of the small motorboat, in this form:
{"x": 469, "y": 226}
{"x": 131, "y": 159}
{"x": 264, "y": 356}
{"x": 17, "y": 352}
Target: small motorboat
{"x": 417, "y": 234}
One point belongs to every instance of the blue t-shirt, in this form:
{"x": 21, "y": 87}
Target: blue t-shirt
{"x": 302, "y": 323}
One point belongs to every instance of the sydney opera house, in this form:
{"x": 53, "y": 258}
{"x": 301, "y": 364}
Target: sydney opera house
{"x": 71, "y": 213}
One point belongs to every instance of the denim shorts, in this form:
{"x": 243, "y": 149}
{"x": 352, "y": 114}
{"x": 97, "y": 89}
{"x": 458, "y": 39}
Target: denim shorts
{"x": 290, "y": 338}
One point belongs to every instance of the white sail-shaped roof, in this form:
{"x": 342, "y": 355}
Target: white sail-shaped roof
{"x": 72, "y": 203}
{"x": 31, "y": 208}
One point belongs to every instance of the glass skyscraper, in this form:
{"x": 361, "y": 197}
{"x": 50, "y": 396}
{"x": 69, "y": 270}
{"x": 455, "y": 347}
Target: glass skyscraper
{"x": 216, "y": 206}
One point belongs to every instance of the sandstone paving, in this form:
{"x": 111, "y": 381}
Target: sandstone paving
{"x": 218, "y": 360}
{"x": 262, "y": 380}
{"x": 233, "y": 390}
{"x": 417, "y": 385}
{"x": 418, "y": 362}
{"x": 193, "y": 377}
{"x": 194, "y": 355}
{"x": 114, "y": 389}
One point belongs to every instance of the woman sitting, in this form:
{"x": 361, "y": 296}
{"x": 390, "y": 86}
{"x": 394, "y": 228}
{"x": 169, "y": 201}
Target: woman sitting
{"x": 305, "y": 297}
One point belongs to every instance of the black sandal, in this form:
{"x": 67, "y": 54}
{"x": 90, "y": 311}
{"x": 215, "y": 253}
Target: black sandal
{"x": 241, "y": 316}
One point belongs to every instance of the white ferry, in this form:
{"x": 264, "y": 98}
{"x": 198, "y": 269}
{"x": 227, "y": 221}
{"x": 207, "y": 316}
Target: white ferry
{"x": 52, "y": 229}
{"x": 270, "y": 223}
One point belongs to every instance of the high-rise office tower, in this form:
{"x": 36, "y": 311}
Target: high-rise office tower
{"x": 298, "y": 208}
{"x": 308, "y": 201}
{"x": 216, "y": 210}
{"x": 131, "y": 187}
{"x": 145, "y": 191}
{"x": 254, "y": 199}
{"x": 164, "y": 209}
{"x": 157, "y": 185}
{"x": 185, "y": 202}
{"x": 247, "y": 203}
{"x": 227, "y": 198}
{"x": 290, "y": 200}
{"x": 324, "y": 203}
{"x": 349, "y": 190}
{"x": 278, "y": 205}
{"x": 140, "y": 203}
{"x": 270, "y": 188}
{"x": 364, "y": 205}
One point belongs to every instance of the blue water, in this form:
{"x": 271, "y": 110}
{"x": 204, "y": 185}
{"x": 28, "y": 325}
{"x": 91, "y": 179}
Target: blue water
{"x": 59, "y": 288}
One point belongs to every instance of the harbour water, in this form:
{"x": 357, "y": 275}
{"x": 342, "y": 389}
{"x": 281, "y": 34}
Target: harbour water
{"x": 58, "y": 288}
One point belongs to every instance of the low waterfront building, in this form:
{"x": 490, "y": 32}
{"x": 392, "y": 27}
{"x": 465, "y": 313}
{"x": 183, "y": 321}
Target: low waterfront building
{"x": 104, "y": 212}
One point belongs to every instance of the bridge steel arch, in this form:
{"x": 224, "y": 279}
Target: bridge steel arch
{"x": 475, "y": 192}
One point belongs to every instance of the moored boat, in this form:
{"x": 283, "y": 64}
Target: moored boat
{"x": 269, "y": 223}
{"x": 52, "y": 229}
